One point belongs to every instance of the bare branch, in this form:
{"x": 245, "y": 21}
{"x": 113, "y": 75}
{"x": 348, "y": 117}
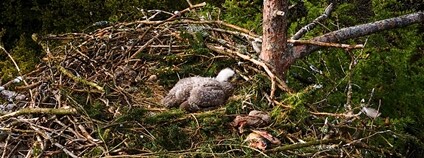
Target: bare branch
{"x": 325, "y": 44}
{"x": 11, "y": 58}
{"x": 79, "y": 79}
{"x": 310, "y": 26}
{"x": 307, "y": 144}
{"x": 358, "y": 31}
{"x": 24, "y": 111}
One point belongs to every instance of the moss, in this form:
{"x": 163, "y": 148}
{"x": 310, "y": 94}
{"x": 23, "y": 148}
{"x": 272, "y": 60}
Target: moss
{"x": 164, "y": 116}
{"x": 94, "y": 152}
{"x": 23, "y": 54}
{"x": 97, "y": 110}
{"x": 131, "y": 114}
{"x": 172, "y": 137}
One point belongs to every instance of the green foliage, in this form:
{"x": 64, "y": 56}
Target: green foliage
{"x": 132, "y": 114}
{"x": 24, "y": 56}
{"x": 391, "y": 64}
{"x": 96, "y": 110}
{"x": 247, "y": 14}
{"x": 95, "y": 152}
{"x": 172, "y": 137}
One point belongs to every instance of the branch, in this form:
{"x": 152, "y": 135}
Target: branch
{"x": 310, "y": 26}
{"x": 47, "y": 136}
{"x": 24, "y": 111}
{"x": 358, "y": 31}
{"x": 237, "y": 29}
{"x": 11, "y": 58}
{"x": 337, "y": 115}
{"x": 325, "y": 44}
{"x": 307, "y": 144}
{"x": 148, "y": 42}
{"x": 281, "y": 84}
{"x": 186, "y": 10}
{"x": 79, "y": 79}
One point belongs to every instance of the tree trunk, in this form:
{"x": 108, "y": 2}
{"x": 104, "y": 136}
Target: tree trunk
{"x": 275, "y": 51}
{"x": 274, "y": 42}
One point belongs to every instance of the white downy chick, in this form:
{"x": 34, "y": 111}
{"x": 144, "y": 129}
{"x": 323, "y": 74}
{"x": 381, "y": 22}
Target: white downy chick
{"x": 200, "y": 93}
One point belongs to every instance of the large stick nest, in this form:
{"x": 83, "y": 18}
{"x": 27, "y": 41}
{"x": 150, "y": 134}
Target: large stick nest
{"x": 121, "y": 66}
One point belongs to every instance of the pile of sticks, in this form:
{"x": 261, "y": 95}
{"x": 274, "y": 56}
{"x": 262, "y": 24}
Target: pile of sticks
{"x": 104, "y": 66}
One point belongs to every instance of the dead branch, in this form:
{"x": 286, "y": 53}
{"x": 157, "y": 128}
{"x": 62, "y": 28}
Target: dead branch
{"x": 307, "y": 144}
{"x": 337, "y": 115}
{"x": 147, "y": 43}
{"x": 325, "y": 44}
{"x": 358, "y": 31}
{"x": 312, "y": 25}
{"x": 186, "y": 10}
{"x": 47, "y": 136}
{"x": 50, "y": 111}
{"x": 79, "y": 79}
{"x": 281, "y": 84}
{"x": 11, "y": 58}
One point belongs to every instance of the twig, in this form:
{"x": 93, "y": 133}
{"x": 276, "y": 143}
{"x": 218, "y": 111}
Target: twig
{"x": 186, "y": 10}
{"x": 348, "y": 105}
{"x": 189, "y": 3}
{"x": 237, "y": 33}
{"x": 147, "y": 43}
{"x": 6, "y": 144}
{"x": 326, "y": 44}
{"x": 307, "y": 144}
{"x": 344, "y": 115}
{"x": 24, "y": 111}
{"x": 243, "y": 31}
{"x": 79, "y": 79}
{"x": 11, "y": 58}
{"x": 281, "y": 84}
{"x": 45, "y": 135}
{"x": 310, "y": 26}
{"x": 19, "y": 71}
{"x": 359, "y": 140}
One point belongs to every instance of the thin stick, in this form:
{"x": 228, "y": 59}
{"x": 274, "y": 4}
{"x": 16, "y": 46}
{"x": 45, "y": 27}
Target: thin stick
{"x": 307, "y": 144}
{"x": 11, "y": 58}
{"x": 147, "y": 43}
{"x": 189, "y": 3}
{"x": 334, "y": 114}
{"x": 281, "y": 84}
{"x": 325, "y": 44}
{"x": 186, "y": 10}
{"x": 310, "y": 26}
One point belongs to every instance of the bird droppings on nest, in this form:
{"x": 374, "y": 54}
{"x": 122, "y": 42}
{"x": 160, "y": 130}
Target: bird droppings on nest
{"x": 200, "y": 93}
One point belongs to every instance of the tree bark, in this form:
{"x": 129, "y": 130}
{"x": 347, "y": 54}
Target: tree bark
{"x": 276, "y": 53}
{"x": 274, "y": 42}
